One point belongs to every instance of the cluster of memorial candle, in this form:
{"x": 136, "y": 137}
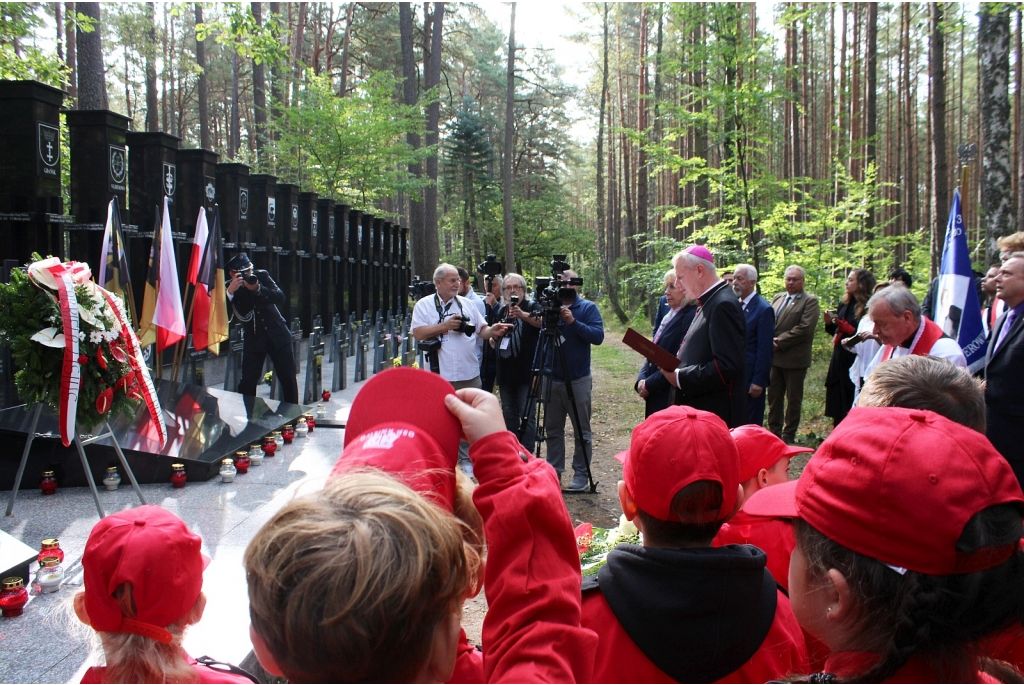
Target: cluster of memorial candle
{"x": 48, "y": 578}
{"x": 242, "y": 461}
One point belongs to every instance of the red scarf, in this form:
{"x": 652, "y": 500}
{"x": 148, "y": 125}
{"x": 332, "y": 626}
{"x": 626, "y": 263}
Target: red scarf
{"x": 923, "y": 346}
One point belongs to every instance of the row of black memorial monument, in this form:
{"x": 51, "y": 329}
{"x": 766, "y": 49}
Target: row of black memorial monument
{"x": 329, "y": 258}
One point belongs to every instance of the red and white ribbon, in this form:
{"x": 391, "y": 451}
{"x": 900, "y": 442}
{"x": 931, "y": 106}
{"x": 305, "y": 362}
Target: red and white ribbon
{"x": 71, "y": 373}
{"x": 135, "y": 352}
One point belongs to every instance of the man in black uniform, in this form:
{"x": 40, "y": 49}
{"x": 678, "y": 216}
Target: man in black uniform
{"x": 254, "y": 297}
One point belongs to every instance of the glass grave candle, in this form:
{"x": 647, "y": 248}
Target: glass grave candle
{"x": 321, "y": 412}
{"x": 50, "y": 547}
{"x": 310, "y": 422}
{"x": 278, "y": 438}
{"x": 178, "y": 476}
{"x": 13, "y": 596}
{"x": 326, "y": 395}
{"x": 269, "y": 446}
{"x": 50, "y": 575}
{"x": 288, "y": 433}
{"x": 255, "y": 455}
{"x": 242, "y": 462}
{"x": 301, "y": 429}
{"x": 48, "y": 483}
{"x": 112, "y": 479}
{"x": 227, "y": 470}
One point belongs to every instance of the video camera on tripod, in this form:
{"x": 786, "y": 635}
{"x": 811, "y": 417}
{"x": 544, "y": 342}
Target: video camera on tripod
{"x": 420, "y": 289}
{"x": 490, "y": 268}
{"x": 553, "y": 292}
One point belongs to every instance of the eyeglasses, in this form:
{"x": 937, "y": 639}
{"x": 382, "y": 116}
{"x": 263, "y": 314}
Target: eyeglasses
{"x": 512, "y": 287}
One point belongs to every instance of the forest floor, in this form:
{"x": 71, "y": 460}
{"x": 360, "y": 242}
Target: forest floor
{"x": 617, "y": 409}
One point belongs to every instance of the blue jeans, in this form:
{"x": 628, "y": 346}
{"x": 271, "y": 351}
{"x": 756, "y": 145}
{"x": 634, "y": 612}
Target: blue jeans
{"x": 513, "y": 404}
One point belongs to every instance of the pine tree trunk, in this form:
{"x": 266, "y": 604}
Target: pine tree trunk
{"x": 92, "y": 83}
{"x": 276, "y": 92}
{"x": 432, "y": 78}
{"x": 937, "y": 92}
{"x": 345, "y": 42}
{"x": 642, "y": 172}
{"x": 994, "y": 57}
{"x": 507, "y": 151}
{"x": 603, "y": 251}
{"x": 1019, "y": 118}
{"x": 152, "y": 100}
{"x": 871, "y": 96}
{"x": 236, "y": 124}
{"x": 410, "y": 96}
{"x": 201, "y": 89}
{"x": 70, "y": 32}
{"x": 259, "y": 95}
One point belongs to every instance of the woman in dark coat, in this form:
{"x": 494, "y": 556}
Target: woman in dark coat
{"x": 839, "y": 389}
{"x": 678, "y": 315}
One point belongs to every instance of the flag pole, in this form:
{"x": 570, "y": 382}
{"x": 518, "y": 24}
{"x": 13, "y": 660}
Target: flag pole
{"x": 182, "y": 345}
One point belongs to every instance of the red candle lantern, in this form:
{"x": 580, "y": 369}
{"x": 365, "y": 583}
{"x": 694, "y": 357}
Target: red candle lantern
{"x": 48, "y": 483}
{"x": 288, "y": 433}
{"x": 178, "y": 476}
{"x": 13, "y": 597}
{"x": 269, "y": 446}
{"x": 311, "y": 422}
{"x": 50, "y": 547}
{"x": 326, "y": 395}
{"x": 242, "y": 462}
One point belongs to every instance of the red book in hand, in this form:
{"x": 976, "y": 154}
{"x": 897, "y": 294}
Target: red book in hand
{"x": 659, "y": 356}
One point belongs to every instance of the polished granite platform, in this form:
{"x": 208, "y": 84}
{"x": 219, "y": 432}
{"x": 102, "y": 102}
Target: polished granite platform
{"x": 204, "y": 425}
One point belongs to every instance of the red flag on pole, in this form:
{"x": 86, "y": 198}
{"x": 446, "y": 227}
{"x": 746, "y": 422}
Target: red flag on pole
{"x": 163, "y": 320}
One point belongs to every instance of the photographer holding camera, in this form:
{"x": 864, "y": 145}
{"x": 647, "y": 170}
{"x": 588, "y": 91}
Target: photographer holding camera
{"x": 580, "y": 326}
{"x": 514, "y": 355}
{"x": 254, "y": 296}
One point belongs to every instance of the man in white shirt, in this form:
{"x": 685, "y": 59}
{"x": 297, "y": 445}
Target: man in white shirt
{"x": 444, "y": 317}
{"x": 902, "y": 329}
{"x": 440, "y": 317}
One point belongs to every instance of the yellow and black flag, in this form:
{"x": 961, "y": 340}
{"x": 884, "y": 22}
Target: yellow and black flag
{"x": 210, "y": 315}
{"x": 114, "y": 260}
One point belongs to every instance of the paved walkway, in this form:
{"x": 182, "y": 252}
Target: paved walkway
{"x": 47, "y": 644}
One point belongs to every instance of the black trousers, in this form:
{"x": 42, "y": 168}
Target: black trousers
{"x": 254, "y": 353}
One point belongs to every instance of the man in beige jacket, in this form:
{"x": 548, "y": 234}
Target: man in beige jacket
{"x": 796, "y": 315}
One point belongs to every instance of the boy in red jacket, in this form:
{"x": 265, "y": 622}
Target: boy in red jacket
{"x": 676, "y": 609}
{"x": 764, "y": 461}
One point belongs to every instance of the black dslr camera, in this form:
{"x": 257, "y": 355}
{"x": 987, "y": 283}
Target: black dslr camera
{"x": 466, "y": 328}
{"x": 420, "y": 289}
{"x": 250, "y": 278}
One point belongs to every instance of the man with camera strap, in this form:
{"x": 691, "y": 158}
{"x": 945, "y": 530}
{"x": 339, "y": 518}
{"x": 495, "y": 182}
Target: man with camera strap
{"x": 448, "y": 326}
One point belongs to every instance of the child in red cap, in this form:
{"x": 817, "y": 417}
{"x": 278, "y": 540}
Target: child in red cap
{"x": 764, "y": 461}
{"x": 143, "y": 587}
{"x": 908, "y": 555}
{"x": 676, "y": 609}
{"x": 364, "y": 581}
{"x": 432, "y": 473}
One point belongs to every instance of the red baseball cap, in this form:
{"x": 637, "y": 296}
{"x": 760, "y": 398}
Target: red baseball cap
{"x": 152, "y": 549}
{"x": 399, "y": 424}
{"x": 899, "y": 485}
{"x": 673, "y": 448}
{"x": 760, "y": 449}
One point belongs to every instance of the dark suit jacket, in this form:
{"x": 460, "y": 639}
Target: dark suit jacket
{"x": 266, "y": 317}
{"x": 1004, "y": 400}
{"x": 710, "y": 374}
{"x": 760, "y": 318}
{"x": 794, "y": 328}
{"x": 656, "y": 383}
{"x": 663, "y": 309}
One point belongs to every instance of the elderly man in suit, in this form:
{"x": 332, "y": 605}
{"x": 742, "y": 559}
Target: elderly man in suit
{"x": 1004, "y": 401}
{"x": 760, "y": 318}
{"x": 796, "y": 315}
{"x": 710, "y": 375}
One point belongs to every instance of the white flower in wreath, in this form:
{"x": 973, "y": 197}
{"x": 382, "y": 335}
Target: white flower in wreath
{"x": 96, "y": 337}
{"x": 39, "y": 272}
{"x": 81, "y": 336}
{"x": 49, "y": 337}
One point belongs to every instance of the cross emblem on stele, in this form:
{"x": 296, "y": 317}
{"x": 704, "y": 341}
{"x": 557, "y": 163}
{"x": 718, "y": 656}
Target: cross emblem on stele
{"x": 49, "y": 151}
{"x": 169, "y": 181}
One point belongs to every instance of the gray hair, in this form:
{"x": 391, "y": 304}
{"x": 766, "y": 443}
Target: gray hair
{"x": 749, "y": 270}
{"x": 442, "y": 269}
{"x": 898, "y": 299}
{"x": 795, "y": 267}
{"x": 670, "y": 275}
{"x": 692, "y": 261}
{"x": 516, "y": 278}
